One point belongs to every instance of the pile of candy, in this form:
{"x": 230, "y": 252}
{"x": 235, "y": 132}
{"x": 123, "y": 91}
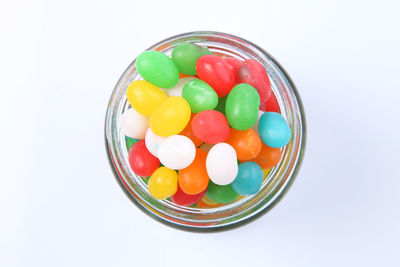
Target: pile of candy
{"x": 205, "y": 128}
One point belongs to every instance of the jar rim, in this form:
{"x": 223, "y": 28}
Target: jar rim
{"x": 117, "y": 161}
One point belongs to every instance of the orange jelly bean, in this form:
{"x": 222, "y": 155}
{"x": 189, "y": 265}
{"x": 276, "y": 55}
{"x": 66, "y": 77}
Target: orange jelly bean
{"x": 189, "y": 133}
{"x": 181, "y": 75}
{"x": 247, "y": 144}
{"x": 194, "y": 178}
{"x": 269, "y": 157}
{"x": 209, "y": 202}
{"x": 203, "y": 204}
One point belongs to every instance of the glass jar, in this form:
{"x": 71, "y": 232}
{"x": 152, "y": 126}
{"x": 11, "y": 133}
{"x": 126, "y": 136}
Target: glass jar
{"x": 247, "y": 208}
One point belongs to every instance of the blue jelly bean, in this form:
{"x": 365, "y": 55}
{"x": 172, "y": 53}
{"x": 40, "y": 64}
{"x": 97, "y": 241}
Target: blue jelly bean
{"x": 249, "y": 178}
{"x": 273, "y": 130}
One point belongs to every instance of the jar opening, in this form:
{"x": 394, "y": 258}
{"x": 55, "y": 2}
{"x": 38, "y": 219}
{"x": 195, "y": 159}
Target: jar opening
{"x": 276, "y": 181}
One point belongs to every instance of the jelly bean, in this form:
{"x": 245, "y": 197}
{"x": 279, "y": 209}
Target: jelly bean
{"x": 252, "y": 72}
{"x": 199, "y": 95}
{"x": 223, "y": 194}
{"x": 266, "y": 172}
{"x": 189, "y": 133}
{"x": 255, "y": 126}
{"x": 153, "y": 142}
{"x": 181, "y": 75}
{"x": 210, "y": 126}
{"x": 239, "y": 197}
{"x": 249, "y": 179}
{"x": 222, "y": 164}
{"x": 233, "y": 64}
{"x": 247, "y": 144}
{"x": 219, "y": 54}
{"x": 134, "y": 124}
{"x": 171, "y": 117}
{"x": 183, "y": 199}
{"x": 145, "y": 179}
{"x": 269, "y": 157}
{"x": 221, "y": 105}
{"x": 163, "y": 183}
{"x": 241, "y": 107}
{"x": 186, "y": 55}
{"x": 271, "y": 105}
{"x": 206, "y": 147}
{"x": 214, "y": 71}
{"x": 273, "y": 130}
{"x": 203, "y": 205}
{"x": 157, "y": 68}
{"x": 177, "y": 89}
{"x": 129, "y": 142}
{"x": 144, "y": 97}
{"x": 210, "y": 202}
{"x": 194, "y": 178}
{"x": 176, "y": 152}
{"x": 142, "y": 162}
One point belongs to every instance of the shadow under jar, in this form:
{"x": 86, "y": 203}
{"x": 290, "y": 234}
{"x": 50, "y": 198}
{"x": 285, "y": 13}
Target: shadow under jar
{"x": 243, "y": 210}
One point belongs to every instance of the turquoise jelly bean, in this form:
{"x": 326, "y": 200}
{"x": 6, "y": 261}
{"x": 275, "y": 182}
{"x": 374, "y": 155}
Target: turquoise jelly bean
{"x": 249, "y": 178}
{"x": 273, "y": 130}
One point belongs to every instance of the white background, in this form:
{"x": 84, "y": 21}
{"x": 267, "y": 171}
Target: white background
{"x": 59, "y": 202}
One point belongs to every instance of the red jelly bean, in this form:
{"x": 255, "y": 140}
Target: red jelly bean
{"x": 271, "y": 105}
{"x": 233, "y": 64}
{"x": 183, "y": 199}
{"x": 210, "y": 126}
{"x": 214, "y": 71}
{"x": 252, "y": 72}
{"x": 142, "y": 162}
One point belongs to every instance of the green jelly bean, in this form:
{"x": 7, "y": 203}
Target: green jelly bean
{"x": 199, "y": 95}
{"x": 242, "y": 106}
{"x": 223, "y": 194}
{"x": 158, "y": 69}
{"x": 221, "y": 105}
{"x": 185, "y": 57}
{"x": 129, "y": 142}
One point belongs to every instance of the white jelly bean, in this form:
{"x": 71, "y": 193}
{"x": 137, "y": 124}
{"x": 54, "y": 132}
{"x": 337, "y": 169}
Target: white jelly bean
{"x": 177, "y": 89}
{"x": 134, "y": 124}
{"x": 255, "y": 126}
{"x": 221, "y": 164}
{"x": 153, "y": 142}
{"x": 177, "y": 152}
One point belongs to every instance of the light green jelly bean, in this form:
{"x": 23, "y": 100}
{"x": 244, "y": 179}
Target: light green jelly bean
{"x": 158, "y": 69}
{"x": 199, "y": 95}
{"x": 242, "y": 106}
{"x": 185, "y": 57}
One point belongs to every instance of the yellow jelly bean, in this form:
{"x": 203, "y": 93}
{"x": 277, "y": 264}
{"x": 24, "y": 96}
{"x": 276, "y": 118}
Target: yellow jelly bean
{"x": 163, "y": 183}
{"x": 144, "y": 97}
{"x": 239, "y": 197}
{"x": 170, "y": 117}
{"x": 266, "y": 172}
{"x": 209, "y": 201}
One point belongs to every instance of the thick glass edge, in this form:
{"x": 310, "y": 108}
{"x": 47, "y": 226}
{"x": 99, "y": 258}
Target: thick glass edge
{"x": 254, "y": 216}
